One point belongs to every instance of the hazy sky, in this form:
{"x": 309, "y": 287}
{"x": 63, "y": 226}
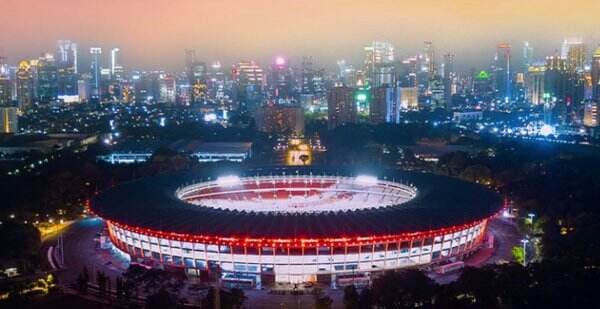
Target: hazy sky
{"x": 154, "y": 33}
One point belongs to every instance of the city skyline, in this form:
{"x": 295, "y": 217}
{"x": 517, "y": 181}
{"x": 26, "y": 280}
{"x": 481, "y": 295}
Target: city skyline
{"x": 228, "y": 32}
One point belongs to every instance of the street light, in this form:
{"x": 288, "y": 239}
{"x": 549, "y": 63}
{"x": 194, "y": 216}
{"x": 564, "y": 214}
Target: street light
{"x": 531, "y": 215}
{"x": 524, "y": 241}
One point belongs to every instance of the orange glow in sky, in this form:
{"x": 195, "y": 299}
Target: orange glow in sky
{"x": 154, "y": 33}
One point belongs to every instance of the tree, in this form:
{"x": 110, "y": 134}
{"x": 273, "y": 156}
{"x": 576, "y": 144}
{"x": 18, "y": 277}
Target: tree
{"x": 403, "y": 289}
{"x": 366, "y": 298}
{"x": 351, "y": 297}
{"x": 323, "y": 302}
{"x": 162, "y": 299}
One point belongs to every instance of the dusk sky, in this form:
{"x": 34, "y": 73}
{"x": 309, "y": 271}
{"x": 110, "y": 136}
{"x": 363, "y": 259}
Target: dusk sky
{"x": 154, "y": 33}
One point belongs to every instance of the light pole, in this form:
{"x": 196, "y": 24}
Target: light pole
{"x": 524, "y": 241}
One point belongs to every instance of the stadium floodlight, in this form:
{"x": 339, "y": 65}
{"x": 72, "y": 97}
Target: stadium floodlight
{"x": 365, "y": 180}
{"x": 230, "y": 180}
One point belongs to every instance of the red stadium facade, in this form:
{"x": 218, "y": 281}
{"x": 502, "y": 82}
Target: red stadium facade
{"x": 364, "y": 214}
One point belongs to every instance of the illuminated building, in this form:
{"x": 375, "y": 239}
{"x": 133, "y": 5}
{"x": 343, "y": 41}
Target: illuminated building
{"x": 409, "y": 98}
{"x": 197, "y": 76}
{"x": 84, "y": 90}
{"x": 596, "y": 75}
{"x": 167, "y": 87}
{"x": 95, "y": 70}
{"x": 503, "y": 73}
{"x": 312, "y": 80}
{"x": 385, "y": 105}
{"x": 527, "y": 55}
{"x": 535, "y": 83}
{"x": 341, "y": 108}
{"x": 449, "y": 77}
{"x": 279, "y": 118}
{"x": 249, "y": 79}
{"x": 483, "y": 84}
{"x": 438, "y": 97}
{"x": 24, "y": 86}
{"x": 280, "y": 82}
{"x": 47, "y": 79}
{"x": 379, "y": 56}
{"x": 67, "y": 56}
{"x": 573, "y": 50}
{"x": 5, "y": 86}
{"x": 295, "y": 225}
{"x": 9, "y": 119}
{"x": 347, "y": 74}
{"x": 590, "y": 114}
{"x": 556, "y": 77}
{"x": 116, "y": 70}
{"x": 428, "y": 62}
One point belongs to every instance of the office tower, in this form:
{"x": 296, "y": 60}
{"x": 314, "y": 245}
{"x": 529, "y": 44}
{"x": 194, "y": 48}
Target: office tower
{"x": 407, "y": 72}
{"x": 385, "y": 105}
{"x": 341, "y": 107}
{"x": 449, "y": 78}
{"x": 590, "y": 114}
{"x": 47, "y": 79}
{"x": 378, "y": 57}
{"x": 9, "y": 120}
{"x": 24, "y": 86}
{"x": 84, "y": 89}
{"x": 483, "y": 84}
{"x": 95, "y": 70}
{"x": 67, "y": 56}
{"x": 429, "y": 60}
{"x": 347, "y": 74}
{"x": 280, "y": 82}
{"x": 527, "y": 56}
{"x": 535, "y": 83}
{"x": 503, "y": 73}
{"x": 278, "y": 118}
{"x": 573, "y": 50}
{"x": 216, "y": 81}
{"x": 556, "y": 78}
{"x": 409, "y": 98}
{"x": 167, "y": 88}
{"x": 436, "y": 87}
{"x": 115, "y": 67}
{"x": 595, "y": 74}
{"x": 5, "y": 89}
{"x": 197, "y": 73}
{"x": 249, "y": 79}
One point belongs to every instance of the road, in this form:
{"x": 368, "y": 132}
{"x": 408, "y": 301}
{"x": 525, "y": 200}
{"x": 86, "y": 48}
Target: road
{"x": 80, "y": 249}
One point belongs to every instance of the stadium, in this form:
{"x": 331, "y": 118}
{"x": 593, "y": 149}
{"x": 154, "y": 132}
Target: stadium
{"x": 295, "y": 225}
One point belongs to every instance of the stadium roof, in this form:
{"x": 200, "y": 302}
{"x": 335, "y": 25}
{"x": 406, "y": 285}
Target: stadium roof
{"x": 151, "y": 203}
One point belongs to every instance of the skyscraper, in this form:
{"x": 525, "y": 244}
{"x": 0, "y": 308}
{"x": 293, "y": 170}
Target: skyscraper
{"x": 8, "y": 113}
{"x": 449, "y": 77}
{"x": 573, "y": 50}
{"x": 280, "y": 80}
{"x": 95, "y": 70}
{"x": 47, "y": 78}
{"x": 385, "y": 105}
{"x": 503, "y": 73}
{"x": 167, "y": 88}
{"x": 556, "y": 78}
{"x": 341, "y": 107}
{"x": 24, "y": 85}
{"x": 596, "y": 75}
{"x": 377, "y": 55}
{"x": 116, "y": 70}
{"x": 535, "y": 83}
{"x": 429, "y": 59}
{"x": 527, "y": 56}
{"x": 67, "y": 57}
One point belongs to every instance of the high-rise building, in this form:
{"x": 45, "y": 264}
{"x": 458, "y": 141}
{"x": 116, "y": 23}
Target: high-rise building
{"x": 438, "y": 93}
{"x": 9, "y": 120}
{"x": 378, "y": 56}
{"x": 573, "y": 50}
{"x": 5, "y": 90}
{"x": 503, "y": 73}
{"x": 385, "y": 105}
{"x": 535, "y": 83}
{"x": 429, "y": 64}
{"x": 278, "y": 118}
{"x": 24, "y": 85}
{"x": 249, "y": 79}
{"x": 67, "y": 56}
{"x": 409, "y": 98}
{"x": 449, "y": 78}
{"x": 167, "y": 88}
{"x": 527, "y": 56}
{"x": 95, "y": 70}
{"x": 556, "y": 78}
{"x": 280, "y": 80}
{"x": 595, "y": 72}
{"x": 47, "y": 79}
{"x": 341, "y": 106}
{"x": 591, "y": 114}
